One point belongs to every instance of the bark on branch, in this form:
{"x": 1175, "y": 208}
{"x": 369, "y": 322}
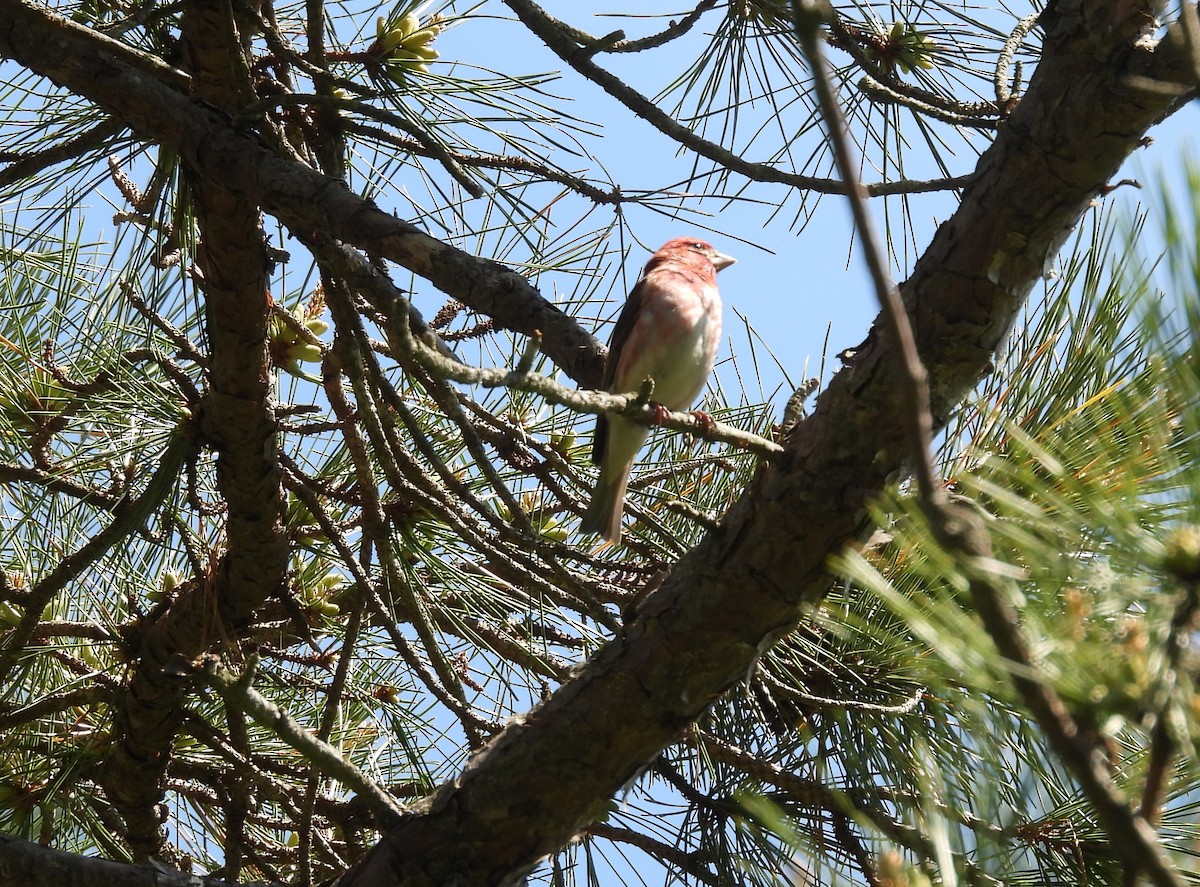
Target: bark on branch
{"x": 238, "y": 421}
{"x": 305, "y": 200}
{"x": 542, "y": 779}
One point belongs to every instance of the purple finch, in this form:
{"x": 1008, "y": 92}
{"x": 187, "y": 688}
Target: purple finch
{"x": 668, "y": 331}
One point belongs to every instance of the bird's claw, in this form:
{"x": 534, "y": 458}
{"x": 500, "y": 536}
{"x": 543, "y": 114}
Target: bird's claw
{"x": 707, "y": 422}
{"x": 661, "y": 414}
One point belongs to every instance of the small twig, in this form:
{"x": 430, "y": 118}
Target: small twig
{"x": 433, "y": 146}
{"x": 237, "y": 692}
{"x": 1131, "y": 835}
{"x": 887, "y": 95}
{"x": 557, "y": 35}
{"x": 355, "y": 361}
{"x": 676, "y": 29}
{"x": 1107, "y": 189}
{"x": 629, "y": 406}
{"x": 25, "y": 166}
{"x": 1184, "y": 562}
{"x": 172, "y": 370}
{"x": 530, "y": 353}
{"x": 694, "y": 514}
{"x": 900, "y": 708}
{"x": 1004, "y": 95}
{"x": 849, "y": 38}
{"x": 962, "y": 533}
{"x": 12, "y": 716}
{"x": 11, "y": 473}
{"x": 671, "y": 855}
{"x": 507, "y": 163}
{"x": 854, "y": 846}
{"x": 914, "y": 381}
{"x": 181, "y": 341}
{"x": 129, "y": 516}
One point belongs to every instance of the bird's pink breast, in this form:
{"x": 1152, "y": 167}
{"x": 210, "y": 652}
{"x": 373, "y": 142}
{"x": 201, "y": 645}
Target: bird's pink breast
{"x": 676, "y": 337}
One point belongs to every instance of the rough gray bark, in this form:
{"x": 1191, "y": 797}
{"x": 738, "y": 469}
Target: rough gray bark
{"x": 238, "y": 421}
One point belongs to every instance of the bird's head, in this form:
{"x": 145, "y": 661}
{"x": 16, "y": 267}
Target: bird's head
{"x": 684, "y": 247}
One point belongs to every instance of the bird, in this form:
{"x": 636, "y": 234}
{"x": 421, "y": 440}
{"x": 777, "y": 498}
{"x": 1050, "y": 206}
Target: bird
{"x": 668, "y": 331}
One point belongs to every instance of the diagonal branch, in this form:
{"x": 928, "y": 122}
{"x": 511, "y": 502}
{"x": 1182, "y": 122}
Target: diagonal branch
{"x": 551, "y": 772}
{"x": 543, "y": 778}
{"x": 303, "y": 199}
{"x": 559, "y": 37}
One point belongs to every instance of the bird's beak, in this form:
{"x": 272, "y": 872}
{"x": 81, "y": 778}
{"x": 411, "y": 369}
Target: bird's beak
{"x": 720, "y": 260}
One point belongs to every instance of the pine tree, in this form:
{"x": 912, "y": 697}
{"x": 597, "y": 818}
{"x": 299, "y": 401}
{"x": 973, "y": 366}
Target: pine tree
{"x": 292, "y": 590}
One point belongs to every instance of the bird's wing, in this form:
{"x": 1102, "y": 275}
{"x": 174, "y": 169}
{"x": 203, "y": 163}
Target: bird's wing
{"x": 620, "y": 334}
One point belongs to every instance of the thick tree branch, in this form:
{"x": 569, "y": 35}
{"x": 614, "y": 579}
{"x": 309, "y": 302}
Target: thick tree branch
{"x": 300, "y": 197}
{"x": 32, "y": 865}
{"x": 237, "y": 420}
{"x": 550, "y": 773}
{"x": 744, "y": 587}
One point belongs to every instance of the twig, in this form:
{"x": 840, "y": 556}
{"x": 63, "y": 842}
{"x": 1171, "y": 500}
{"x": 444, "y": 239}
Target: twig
{"x": 854, "y": 846}
{"x": 1164, "y": 739}
{"x": 237, "y": 692}
{"x": 676, "y": 29}
{"x": 1004, "y": 95}
{"x": 348, "y": 347}
{"x": 1130, "y": 834}
{"x": 900, "y": 708}
{"x": 670, "y": 855}
{"x": 11, "y": 473}
{"x": 12, "y": 716}
{"x": 599, "y": 196}
{"x": 436, "y": 149}
{"x": 556, "y": 35}
{"x": 629, "y": 406}
{"x": 849, "y": 39}
{"x": 532, "y": 571}
{"x": 181, "y": 341}
{"x": 914, "y": 381}
{"x": 873, "y": 803}
{"x": 962, "y": 533}
{"x": 884, "y": 94}
{"x": 129, "y": 516}
{"x": 25, "y": 166}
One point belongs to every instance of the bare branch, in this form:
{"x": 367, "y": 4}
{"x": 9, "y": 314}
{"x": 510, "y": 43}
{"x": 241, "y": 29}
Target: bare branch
{"x": 556, "y": 35}
{"x": 238, "y": 693}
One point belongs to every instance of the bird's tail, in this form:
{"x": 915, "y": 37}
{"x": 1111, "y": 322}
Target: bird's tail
{"x": 604, "y": 513}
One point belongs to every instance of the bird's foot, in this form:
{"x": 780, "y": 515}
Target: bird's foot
{"x": 707, "y": 422}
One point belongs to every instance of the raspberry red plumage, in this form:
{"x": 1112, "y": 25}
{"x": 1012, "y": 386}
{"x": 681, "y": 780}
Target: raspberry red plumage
{"x": 669, "y": 331}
